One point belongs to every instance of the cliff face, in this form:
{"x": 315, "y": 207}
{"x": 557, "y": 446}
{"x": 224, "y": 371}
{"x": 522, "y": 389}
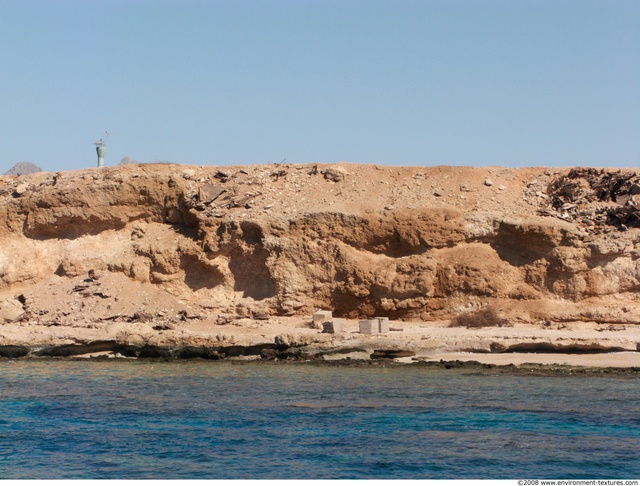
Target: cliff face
{"x": 425, "y": 243}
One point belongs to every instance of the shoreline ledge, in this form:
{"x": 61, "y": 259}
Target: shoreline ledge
{"x": 542, "y": 364}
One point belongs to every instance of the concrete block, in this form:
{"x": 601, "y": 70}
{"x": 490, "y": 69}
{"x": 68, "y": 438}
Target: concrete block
{"x": 369, "y": 326}
{"x": 383, "y": 324}
{"x": 333, "y": 327}
{"x": 321, "y": 316}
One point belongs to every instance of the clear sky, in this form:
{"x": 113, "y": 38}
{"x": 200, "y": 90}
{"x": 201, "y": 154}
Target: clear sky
{"x": 403, "y": 82}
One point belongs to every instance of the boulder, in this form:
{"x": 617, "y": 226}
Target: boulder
{"x": 20, "y": 189}
{"x": 334, "y": 174}
{"x": 10, "y": 310}
{"x": 269, "y": 354}
{"x": 12, "y": 351}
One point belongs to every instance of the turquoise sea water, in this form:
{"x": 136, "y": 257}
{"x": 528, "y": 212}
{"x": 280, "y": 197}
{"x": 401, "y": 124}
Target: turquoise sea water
{"x": 212, "y": 420}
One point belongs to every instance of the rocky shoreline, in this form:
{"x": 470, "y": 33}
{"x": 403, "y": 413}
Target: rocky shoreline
{"x": 269, "y": 353}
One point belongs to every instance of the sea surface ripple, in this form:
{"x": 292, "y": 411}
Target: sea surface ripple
{"x": 210, "y": 420}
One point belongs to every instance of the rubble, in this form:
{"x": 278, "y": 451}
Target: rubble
{"x": 209, "y": 193}
{"x": 278, "y": 174}
{"x": 585, "y": 195}
{"x": 334, "y": 174}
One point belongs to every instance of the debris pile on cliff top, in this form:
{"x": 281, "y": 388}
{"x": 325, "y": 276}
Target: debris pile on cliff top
{"x": 571, "y": 195}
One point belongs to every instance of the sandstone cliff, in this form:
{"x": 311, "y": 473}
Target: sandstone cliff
{"x": 411, "y": 243}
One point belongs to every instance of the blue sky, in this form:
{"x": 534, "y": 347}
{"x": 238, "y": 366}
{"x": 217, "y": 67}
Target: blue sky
{"x": 402, "y": 82}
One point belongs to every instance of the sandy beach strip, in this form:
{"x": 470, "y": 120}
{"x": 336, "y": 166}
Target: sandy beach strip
{"x": 603, "y": 360}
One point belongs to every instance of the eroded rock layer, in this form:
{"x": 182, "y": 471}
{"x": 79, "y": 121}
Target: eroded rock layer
{"x": 426, "y": 243}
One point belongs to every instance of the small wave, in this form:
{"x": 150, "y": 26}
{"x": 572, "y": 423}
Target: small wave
{"x": 318, "y": 405}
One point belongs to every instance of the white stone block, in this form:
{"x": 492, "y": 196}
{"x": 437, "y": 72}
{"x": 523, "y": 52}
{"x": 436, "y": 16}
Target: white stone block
{"x": 383, "y": 324}
{"x": 333, "y": 327}
{"x": 321, "y": 316}
{"x": 369, "y": 326}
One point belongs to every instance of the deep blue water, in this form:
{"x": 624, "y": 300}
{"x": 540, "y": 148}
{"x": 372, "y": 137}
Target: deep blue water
{"x": 211, "y": 420}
